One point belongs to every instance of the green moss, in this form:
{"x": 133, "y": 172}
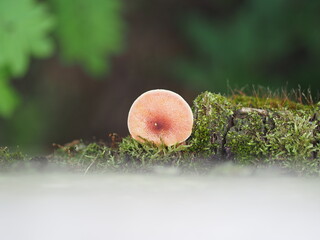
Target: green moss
{"x": 129, "y": 156}
{"x": 212, "y": 113}
{"x": 146, "y": 155}
{"x": 288, "y": 139}
{"x": 246, "y": 140}
{"x": 145, "y": 152}
{"x": 267, "y": 102}
{"x": 299, "y": 166}
{"x": 10, "y": 160}
{"x": 292, "y": 136}
{"x": 94, "y": 157}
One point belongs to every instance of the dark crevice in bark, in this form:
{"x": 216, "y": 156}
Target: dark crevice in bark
{"x": 225, "y": 151}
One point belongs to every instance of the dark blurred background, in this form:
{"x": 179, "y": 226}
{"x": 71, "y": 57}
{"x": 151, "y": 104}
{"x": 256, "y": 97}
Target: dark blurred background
{"x": 70, "y": 69}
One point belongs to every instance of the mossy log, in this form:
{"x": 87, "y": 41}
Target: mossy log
{"x": 253, "y": 129}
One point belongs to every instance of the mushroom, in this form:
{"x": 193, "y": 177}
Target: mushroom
{"x": 160, "y": 116}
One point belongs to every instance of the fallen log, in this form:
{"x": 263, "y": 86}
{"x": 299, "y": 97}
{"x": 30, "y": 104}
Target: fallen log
{"x": 245, "y": 128}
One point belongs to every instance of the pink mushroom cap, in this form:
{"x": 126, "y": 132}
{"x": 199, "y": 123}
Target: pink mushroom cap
{"x": 160, "y": 116}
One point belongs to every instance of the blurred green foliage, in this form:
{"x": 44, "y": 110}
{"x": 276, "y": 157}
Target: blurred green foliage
{"x": 8, "y": 97}
{"x": 87, "y": 33}
{"x": 24, "y": 26}
{"x": 270, "y": 43}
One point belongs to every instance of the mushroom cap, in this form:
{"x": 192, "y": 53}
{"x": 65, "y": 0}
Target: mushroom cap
{"x": 160, "y": 116}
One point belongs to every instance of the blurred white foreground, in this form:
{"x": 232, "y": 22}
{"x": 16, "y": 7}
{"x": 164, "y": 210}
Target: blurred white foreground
{"x": 159, "y": 206}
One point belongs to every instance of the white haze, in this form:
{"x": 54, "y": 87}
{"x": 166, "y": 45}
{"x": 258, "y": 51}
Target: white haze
{"x": 164, "y": 205}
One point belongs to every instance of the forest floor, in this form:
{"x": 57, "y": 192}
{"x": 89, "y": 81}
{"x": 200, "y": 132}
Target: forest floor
{"x": 248, "y": 133}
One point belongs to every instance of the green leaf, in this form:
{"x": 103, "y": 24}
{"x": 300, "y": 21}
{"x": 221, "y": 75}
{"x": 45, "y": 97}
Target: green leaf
{"x": 89, "y": 32}
{"x": 8, "y": 98}
{"x": 24, "y": 25}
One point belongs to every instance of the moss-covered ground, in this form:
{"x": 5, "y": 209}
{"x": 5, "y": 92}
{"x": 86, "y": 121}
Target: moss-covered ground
{"x": 261, "y": 132}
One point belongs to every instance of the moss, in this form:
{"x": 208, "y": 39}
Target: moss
{"x": 289, "y": 139}
{"x": 267, "y": 102}
{"x": 299, "y": 166}
{"x": 212, "y": 113}
{"x": 292, "y": 136}
{"x": 279, "y": 134}
{"x": 129, "y": 156}
{"x": 93, "y": 157}
{"x": 146, "y": 155}
{"x": 11, "y": 160}
{"x": 246, "y": 140}
{"x": 253, "y": 130}
{"x": 294, "y": 143}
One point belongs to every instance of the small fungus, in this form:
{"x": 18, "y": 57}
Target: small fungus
{"x": 160, "y": 116}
